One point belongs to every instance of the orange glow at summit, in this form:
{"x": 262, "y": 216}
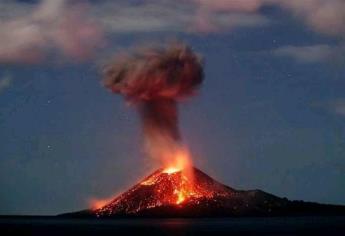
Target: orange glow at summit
{"x": 184, "y": 185}
{"x": 181, "y": 162}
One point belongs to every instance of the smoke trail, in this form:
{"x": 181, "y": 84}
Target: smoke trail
{"x": 154, "y": 80}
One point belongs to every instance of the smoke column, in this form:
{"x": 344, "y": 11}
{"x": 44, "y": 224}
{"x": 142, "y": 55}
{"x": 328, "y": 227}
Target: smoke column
{"x": 154, "y": 80}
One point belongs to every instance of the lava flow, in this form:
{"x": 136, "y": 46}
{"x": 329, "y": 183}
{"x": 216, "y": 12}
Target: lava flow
{"x": 180, "y": 181}
{"x": 183, "y": 185}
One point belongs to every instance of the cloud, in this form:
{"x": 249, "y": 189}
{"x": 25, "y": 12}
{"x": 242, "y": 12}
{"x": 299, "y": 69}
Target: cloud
{"x": 30, "y": 32}
{"x": 5, "y": 82}
{"x": 51, "y": 26}
{"x": 339, "y": 107}
{"x": 308, "y": 54}
{"x": 324, "y": 16}
{"x": 230, "y": 5}
{"x": 171, "y": 16}
{"x": 336, "y": 106}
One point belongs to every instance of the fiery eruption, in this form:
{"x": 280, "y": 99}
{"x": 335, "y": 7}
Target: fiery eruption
{"x": 154, "y": 80}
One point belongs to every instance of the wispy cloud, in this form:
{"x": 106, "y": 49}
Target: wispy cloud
{"x": 309, "y": 54}
{"x": 324, "y": 16}
{"x": 334, "y": 106}
{"x": 48, "y": 27}
{"x": 162, "y": 15}
{"x": 339, "y": 107}
{"x": 5, "y": 82}
{"x": 31, "y": 31}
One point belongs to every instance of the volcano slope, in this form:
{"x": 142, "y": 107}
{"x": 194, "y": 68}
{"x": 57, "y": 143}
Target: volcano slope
{"x": 195, "y": 194}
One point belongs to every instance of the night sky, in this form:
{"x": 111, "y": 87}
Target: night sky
{"x": 270, "y": 114}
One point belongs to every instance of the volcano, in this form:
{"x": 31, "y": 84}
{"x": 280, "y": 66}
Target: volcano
{"x": 192, "y": 193}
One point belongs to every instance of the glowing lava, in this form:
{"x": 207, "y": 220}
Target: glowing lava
{"x": 180, "y": 197}
{"x": 171, "y": 170}
{"x": 169, "y": 188}
{"x": 181, "y": 161}
{"x": 98, "y": 203}
{"x": 182, "y": 177}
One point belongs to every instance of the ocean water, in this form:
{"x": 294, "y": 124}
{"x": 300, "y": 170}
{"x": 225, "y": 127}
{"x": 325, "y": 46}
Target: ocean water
{"x": 334, "y": 225}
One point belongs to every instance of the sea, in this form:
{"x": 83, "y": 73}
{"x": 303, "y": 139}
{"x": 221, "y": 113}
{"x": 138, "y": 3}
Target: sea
{"x": 30, "y": 225}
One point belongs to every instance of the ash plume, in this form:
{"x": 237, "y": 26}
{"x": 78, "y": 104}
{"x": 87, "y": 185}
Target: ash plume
{"x": 153, "y": 80}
